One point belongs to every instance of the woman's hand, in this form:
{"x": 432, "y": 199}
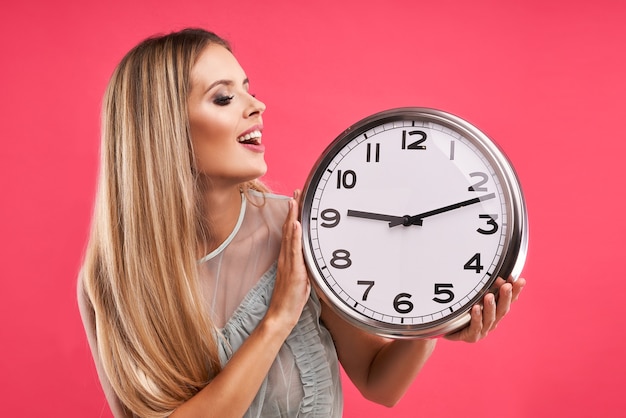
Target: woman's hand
{"x": 292, "y": 287}
{"x": 485, "y": 318}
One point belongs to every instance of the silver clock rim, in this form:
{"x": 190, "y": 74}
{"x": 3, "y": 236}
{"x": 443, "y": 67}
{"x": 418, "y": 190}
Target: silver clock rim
{"x": 516, "y": 241}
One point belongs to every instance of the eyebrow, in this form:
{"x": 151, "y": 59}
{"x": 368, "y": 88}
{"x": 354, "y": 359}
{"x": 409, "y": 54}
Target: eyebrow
{"x": 226, "y": 83}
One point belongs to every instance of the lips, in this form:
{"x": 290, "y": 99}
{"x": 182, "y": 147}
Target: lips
{"x": 251, "y": 136}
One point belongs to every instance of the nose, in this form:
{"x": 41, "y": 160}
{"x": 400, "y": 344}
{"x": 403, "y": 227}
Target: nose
{"x": 256, "y": 107}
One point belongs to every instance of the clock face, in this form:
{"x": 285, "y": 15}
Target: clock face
{"x": 409, "y": 217}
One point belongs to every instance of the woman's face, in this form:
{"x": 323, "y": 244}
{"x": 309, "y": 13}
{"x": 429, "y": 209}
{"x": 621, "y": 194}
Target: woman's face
{"x": 225, "y": 120}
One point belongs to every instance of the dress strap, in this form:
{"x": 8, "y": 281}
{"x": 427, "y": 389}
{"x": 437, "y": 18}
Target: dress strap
{"x": 227, "y": 241}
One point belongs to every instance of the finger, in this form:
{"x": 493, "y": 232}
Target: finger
{"x": 288, "y": 224}
{"x": 518, "y": 285}
{"x": 296, "y": 238}
{"x": 287, "y": 237}
{"x": 297, "y": 196}
{"x": 476, "y": 324}
{"x": 489, "y": 313}
{"x": 499, "y": 282}
{"x": 293, "y": 207}
{"x": 504, "y": 300}
{"x": 472, "y": 333}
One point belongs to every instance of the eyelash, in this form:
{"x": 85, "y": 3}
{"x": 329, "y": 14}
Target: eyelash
{"x": 223, "y": 100}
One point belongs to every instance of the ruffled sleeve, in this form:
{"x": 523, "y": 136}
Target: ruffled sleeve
{"x": 314, "y": 379}
{"x": 314, "y": 361}
{"x": 248, "y": 315}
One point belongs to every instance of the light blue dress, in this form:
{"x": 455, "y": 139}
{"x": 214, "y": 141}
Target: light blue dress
{"x": 237, "y": 281}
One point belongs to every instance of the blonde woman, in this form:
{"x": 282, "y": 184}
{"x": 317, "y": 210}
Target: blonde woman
{"x": 193, "y": 292}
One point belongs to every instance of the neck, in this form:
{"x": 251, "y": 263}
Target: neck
{"x": 221, "y": 210}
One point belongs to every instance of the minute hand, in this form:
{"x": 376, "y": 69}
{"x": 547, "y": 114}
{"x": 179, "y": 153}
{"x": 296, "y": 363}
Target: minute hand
{"x": 416, "y": 219}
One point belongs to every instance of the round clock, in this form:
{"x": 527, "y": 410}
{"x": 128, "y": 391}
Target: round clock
{"x": 409, "y": 217}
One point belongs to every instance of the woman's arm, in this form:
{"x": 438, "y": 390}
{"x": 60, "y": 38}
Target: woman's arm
{"x": 232, "y": 391}
{"x": 383, "y": 369}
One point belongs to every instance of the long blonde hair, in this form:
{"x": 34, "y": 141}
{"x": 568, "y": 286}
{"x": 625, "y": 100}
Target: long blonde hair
{"x": 156, "y": 343}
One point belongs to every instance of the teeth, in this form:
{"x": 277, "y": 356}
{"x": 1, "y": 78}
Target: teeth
{"x": 249, "y": 136}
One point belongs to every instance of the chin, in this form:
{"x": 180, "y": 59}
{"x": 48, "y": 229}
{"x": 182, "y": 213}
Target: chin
{"x": 262, "y": 170}
{"x": 257, "y": 174}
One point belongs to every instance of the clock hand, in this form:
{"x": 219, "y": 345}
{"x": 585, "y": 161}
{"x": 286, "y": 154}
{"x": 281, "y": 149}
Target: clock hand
{"x": 417, "y": 219}
{"x": 378, "y": 216}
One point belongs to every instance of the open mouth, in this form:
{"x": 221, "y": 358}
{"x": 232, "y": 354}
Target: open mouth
{"x": 253, "y": 138}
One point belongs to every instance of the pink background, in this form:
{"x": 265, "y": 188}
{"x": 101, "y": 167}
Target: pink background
{"x": 544, "y": 78}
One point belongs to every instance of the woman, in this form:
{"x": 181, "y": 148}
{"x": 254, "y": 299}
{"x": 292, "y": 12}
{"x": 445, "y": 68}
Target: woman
{"x": 193, "y": 292}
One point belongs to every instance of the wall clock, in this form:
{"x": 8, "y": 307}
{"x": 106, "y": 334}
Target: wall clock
{"x": 408, "y": 218}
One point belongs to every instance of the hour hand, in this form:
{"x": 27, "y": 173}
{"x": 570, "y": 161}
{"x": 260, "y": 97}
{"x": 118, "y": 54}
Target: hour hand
{"x": 393, "y": 220}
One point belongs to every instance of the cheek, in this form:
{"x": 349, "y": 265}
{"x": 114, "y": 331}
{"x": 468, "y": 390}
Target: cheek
{"x": 218, "y": 155}
{"x": 211, "y": 136}
{"x": 207, "y": 128}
